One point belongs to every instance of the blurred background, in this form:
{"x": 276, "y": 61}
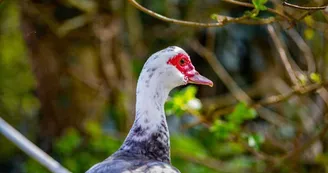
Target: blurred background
{"x": 68, "y": 72}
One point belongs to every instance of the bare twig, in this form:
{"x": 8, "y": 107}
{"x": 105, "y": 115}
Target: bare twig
{"x": 277, "y": 98}
{"x": 295, "y": 91}
{"x": 282, "y": 54}
{"x": 239, "y": 94}
{"x": 303, "y": 47}
{"x": 243, "y": 20}
{"x": 30, "y": 149}
{"x": 105, "y": 33}
{"x": 220, "y": 71}
{"x": 302, "y": 7}
{"x": 218, "y": 24}
{"x": 323, "y": 94}
{"x": 298, "y": 151}
{"x": 72, "y": 24}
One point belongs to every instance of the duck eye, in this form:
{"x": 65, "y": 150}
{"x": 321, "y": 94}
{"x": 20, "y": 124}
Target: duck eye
{"x": 182, "y": 62}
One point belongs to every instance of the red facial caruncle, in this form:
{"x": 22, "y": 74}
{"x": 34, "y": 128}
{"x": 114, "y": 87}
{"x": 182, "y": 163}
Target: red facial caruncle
{"x": 183, "y": 64}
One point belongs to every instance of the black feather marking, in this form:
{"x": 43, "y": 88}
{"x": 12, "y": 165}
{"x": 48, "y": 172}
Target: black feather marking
{"x": 163, "y": 125}
{"x": 156, "y": 56}
{"x": 147, "y": 83}
{"x": 153, "y": 148}
{"x": 169, "y": 49}
{"x": 138, "y": 131}
{"x": 151, "y": 69}
{"x": 151, "y": 75}
{"x": 138, "y": 112}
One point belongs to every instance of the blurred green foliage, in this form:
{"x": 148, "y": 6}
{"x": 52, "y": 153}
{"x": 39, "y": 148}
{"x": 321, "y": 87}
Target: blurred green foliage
{"x": 183, "y": 100}
{"x": 77, "y": 152}
{"x": 17, "y": 83}
{"x": 224, "y": 128}
{"x": 16, "y": 79}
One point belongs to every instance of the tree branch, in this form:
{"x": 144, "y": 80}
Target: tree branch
{"x": 303, "y": 47}
{"x": 239, "y": 94}
{"x": 226, "y": 20}
{"x": 220, "y": 71}
{"x": 298, "y": 151}
{"x": 276, "y": 98}
{"x": 302, "y": 7}
{"x": 282, "y": 54}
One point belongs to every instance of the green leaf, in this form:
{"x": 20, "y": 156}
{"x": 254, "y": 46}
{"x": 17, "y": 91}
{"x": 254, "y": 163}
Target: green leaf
{"x": 214, "y": 16}
{"x": 309, "y": 33}
{"x": 315, "y": 77}
{"x": 309, "y": 20}
{"x": 183, "y": 100}
{"x": 241, "y": 113}
{"x": 259, "y": 4}
{"x": 222, "y": 130}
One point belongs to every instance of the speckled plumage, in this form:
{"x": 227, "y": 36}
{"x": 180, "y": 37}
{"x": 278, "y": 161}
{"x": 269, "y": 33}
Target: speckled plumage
{"x": 147, "y": 147}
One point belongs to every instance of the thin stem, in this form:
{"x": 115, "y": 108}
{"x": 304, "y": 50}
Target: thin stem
{"x": 276, "y": 98}
{"x": 302, "y": 7}
{"x": 239, "y": 94}
{"x": 283, "y": 55}
{"x": 303, "y": 47}
{"x": 217, "y": 24}
{"x": 221, "y": 72}
{"x": 298, "y": 151}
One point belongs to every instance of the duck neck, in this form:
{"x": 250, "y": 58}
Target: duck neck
{"x": 149, "y": 135}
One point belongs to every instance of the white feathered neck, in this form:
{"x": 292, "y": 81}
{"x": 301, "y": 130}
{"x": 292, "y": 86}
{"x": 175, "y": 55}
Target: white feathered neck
{"x": 149, "y": 134}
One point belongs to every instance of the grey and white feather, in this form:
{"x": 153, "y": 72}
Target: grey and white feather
{"x": 147, "y": 147}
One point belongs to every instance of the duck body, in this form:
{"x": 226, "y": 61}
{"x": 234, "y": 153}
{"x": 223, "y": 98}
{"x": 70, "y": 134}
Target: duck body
{"x": 146, "y": 149}
{"x": 122, "y": 162}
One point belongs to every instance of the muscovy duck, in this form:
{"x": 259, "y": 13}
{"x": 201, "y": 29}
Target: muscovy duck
{"x": 146, "y": 149}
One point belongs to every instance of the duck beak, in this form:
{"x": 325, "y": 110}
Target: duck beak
{"x": 199, "y": 79}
